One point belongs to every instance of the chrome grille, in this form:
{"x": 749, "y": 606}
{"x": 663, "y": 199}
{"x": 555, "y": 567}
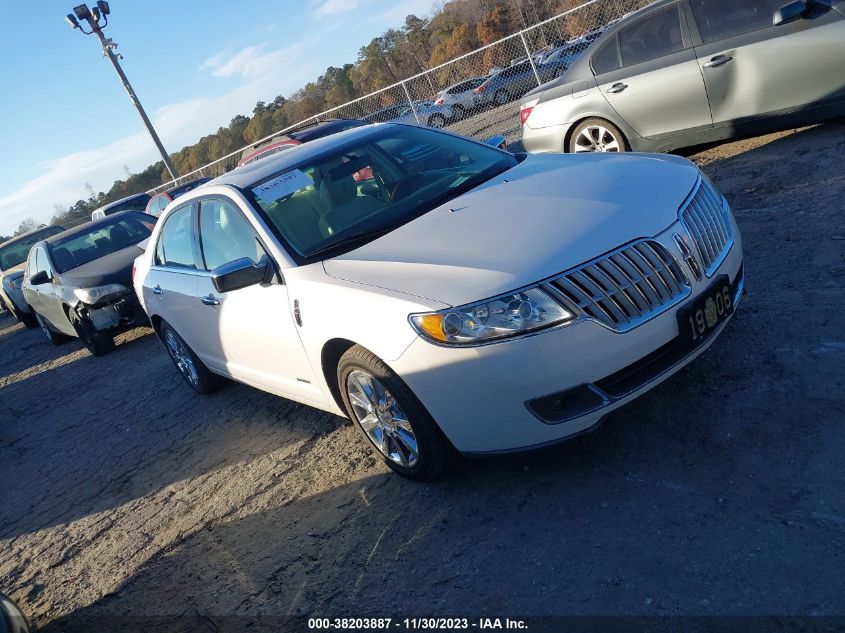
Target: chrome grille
{"x": 624, "y": 288}
{"x": 706, "y": 218}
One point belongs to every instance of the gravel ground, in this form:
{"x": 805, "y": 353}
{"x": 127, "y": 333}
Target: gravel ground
{"x": 720, "y": 492}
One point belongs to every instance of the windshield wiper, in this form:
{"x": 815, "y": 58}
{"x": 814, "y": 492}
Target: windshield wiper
{"x": 354, "y": 238}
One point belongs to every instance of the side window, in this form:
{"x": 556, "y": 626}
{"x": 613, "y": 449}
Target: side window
{"x": 606, "y": 58}
{"x": 720, "y": 19}
{"x": 654, "y": 36}
{"x": 175, "y": 247}
{"x": 225, "y": 234}
{"x": 32, "y": 262}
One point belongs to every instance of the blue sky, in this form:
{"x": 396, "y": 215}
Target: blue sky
{"x": 66, "y": 120}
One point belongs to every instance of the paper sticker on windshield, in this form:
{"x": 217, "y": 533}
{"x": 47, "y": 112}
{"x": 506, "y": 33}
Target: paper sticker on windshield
{"x": 282, "y": 186}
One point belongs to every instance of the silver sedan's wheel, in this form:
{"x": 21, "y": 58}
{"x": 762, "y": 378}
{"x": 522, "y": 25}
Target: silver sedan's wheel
{"x": 181, "y": 357}
{"x": 597, "y": 135}
{"x": 596, "y": 139}
{"x": 382, "y": 419}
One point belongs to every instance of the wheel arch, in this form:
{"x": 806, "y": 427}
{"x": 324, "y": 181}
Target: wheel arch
{"x": 330, "y": 355}
{"x": 627, "y": 132}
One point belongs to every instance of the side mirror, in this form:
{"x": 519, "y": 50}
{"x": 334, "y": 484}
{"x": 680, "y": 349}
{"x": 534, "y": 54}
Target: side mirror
{"x": 39, "y": 278}
{"x": 498, "y": 141}
{"x": 11, "y": 618}
{"x": 789, "y": 12}
{"x": 240, "y": 273}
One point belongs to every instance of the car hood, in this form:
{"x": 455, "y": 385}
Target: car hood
{"x": 14, "y": 271}
{"x": 115, "y": 268}
{"x": 544, "y": 216}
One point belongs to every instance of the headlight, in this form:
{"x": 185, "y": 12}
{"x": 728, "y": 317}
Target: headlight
{"x": 99, "y": 293}
{"x": 505, "y": 316}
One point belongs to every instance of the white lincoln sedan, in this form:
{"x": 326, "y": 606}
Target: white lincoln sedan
{"x": 445, "y": 295}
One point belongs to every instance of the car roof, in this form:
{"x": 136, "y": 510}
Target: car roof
{"x": 23, "y": 236}
{"x": 113, "y": 203}
{"x": 323, "y": 129}
{"x": 257, "y": 171}
{"x": 191, "y": 184}
{"x": 87, "y": 226}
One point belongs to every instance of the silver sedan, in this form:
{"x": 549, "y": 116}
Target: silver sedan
{"x": 683, "y": 72}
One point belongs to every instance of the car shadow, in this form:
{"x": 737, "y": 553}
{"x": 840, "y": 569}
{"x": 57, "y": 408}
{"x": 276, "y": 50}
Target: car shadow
{"x": 81, "y": 435}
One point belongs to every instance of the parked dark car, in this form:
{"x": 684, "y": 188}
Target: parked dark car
{"x": 514, "y": 81}
{"x": 13, "y": 255}
{"x": 78, "y": 283}
{"x": 292, "y": 139}
{"x": 683, "y": 72}
{"x": 159, "y": 201}
{"x": 137, "y": 202}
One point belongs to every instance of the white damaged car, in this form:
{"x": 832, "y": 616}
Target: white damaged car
{"x": 445, "y": 295}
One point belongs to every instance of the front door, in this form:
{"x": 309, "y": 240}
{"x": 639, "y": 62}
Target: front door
{"x": 170, "y": 288}
{"x": 753, "y": 68}
{"x": 658, "y": 90}
{"x": 249, "y": 333}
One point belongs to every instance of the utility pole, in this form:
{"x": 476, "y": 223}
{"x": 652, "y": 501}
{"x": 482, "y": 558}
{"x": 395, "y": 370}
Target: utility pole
{"x": 92, "y": 17}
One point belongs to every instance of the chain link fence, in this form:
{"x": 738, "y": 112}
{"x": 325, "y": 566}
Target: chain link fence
{"x": 476, "y": 94}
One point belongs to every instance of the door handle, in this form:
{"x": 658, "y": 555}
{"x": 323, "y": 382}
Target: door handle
{"x": 719, "y": 60}
{"x": 210, "y": 300}
{"x": 616, "y": 88}
{"x": 157, "y": 290}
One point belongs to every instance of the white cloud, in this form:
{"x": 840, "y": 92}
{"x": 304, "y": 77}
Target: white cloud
{"x": 265, "y": 71}
{"x": 253, "y": 61}
{"x": 328, "y": 8}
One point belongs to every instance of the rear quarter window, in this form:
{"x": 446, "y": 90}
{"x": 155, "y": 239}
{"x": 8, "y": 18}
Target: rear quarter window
{"x": 606, "y": 58}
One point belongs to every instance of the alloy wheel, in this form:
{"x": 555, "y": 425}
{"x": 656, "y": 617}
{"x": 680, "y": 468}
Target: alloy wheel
{"x": 596, "y": 138}
{"x": 382, "y": 419}
{"x": 181, "y": 356}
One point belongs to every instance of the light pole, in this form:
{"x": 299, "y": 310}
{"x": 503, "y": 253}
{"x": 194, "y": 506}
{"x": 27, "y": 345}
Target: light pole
{"x": 92, "y": 17}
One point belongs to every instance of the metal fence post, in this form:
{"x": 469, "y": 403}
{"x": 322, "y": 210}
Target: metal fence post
{"x": 530, "y": 59}
{"x": 413, "y": 109}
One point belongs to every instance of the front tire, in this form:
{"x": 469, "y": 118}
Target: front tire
{"x": 199, "y": 377}
{"x": 54, "y": 337}
{"x": 597, "y": 135}
{"x": 96, "y": 342}
{"x": 391, "y": 418}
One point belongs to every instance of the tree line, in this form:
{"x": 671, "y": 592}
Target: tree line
{"x": 456, "y": 27}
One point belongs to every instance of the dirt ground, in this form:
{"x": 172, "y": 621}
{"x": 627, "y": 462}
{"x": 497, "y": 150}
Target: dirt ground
{"x": 720, "y": 492}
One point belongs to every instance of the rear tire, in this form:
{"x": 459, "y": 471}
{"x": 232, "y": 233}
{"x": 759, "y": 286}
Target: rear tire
{"x": 199, "y": 377}
{"x": 398, "y": 427}
{"x": 436, "y": 121}
{"x": 54, "y": 337}
{"x": 98, "y": 343}
{"x": 596, "y": 135}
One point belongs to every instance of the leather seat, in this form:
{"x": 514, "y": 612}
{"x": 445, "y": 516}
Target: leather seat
{"x": 340, "y": 205}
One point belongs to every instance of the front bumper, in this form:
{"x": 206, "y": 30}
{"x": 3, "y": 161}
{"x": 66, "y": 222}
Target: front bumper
{"x": 121, "y": 314}
{"x": 480, "y": 395}
{"x": 16, "y": 296}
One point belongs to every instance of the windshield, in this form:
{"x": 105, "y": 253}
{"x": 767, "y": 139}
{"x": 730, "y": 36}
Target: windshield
{"x": 101, "y": 239}
{"x": 14, "y": 253}
{"x": 366, "y": 187}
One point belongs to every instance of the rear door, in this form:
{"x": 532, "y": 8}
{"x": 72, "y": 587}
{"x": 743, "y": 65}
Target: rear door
{"x": 170, "y": 288}
{"x": 656, "y": 85}
{"x": 753, "y": 68}
{"x": 249, "y": 333}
